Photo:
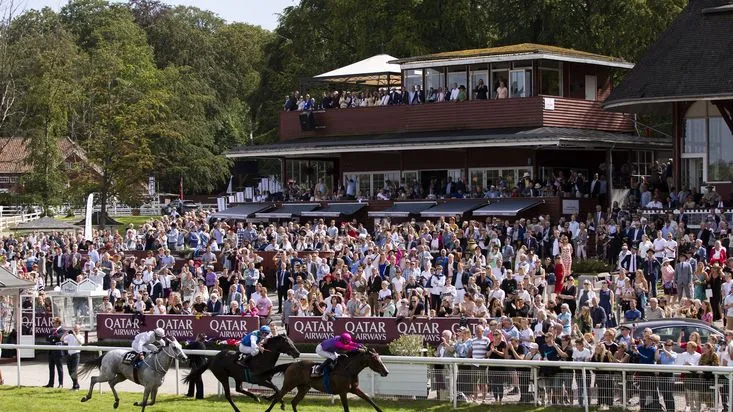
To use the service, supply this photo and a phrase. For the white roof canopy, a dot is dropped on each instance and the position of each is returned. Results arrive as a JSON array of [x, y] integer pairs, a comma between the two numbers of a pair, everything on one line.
[[374, 71]]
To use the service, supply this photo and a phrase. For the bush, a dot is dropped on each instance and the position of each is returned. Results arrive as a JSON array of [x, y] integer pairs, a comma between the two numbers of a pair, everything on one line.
[[407, 345], [590, 267]]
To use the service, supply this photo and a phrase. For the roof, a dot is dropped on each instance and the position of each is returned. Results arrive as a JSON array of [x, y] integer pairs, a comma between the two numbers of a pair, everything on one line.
[[287, 211], [336, 210], [518, 52], [507, 207], [403, 209], [453, 208], [11, 283], [243, 211], [373, 71], [14, 150], [45, 223], [535, 137], [691, 60]]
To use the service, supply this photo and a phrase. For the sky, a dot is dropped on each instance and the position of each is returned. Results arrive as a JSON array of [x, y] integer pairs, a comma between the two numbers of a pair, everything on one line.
[[257, 12]]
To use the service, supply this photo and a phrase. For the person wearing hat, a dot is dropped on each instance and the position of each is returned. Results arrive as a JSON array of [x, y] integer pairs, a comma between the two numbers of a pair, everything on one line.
[[55, 356], [196, 386], [652, 271], [145, 342]]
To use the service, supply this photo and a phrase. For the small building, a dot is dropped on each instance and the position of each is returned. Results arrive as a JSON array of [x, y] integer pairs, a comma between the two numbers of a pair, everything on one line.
[[688, 73], [13, 166], [539, 117]]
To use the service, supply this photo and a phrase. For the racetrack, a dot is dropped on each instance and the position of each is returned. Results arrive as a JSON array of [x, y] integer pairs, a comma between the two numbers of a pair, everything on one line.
[[31, 399]]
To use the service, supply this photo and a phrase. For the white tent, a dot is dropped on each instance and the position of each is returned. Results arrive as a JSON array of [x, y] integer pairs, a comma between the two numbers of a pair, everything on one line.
[[374, 71]]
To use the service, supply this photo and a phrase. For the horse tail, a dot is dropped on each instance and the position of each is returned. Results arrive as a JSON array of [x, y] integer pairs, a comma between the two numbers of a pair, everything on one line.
[[280, 368], [196, 372], [89, 365]]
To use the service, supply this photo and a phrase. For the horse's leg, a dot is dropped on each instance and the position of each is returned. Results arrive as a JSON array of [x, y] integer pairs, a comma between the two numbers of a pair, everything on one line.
[[227, 391], [302, 391], [344, 401], [358, 392], [238, 387], [92, 382], [146, 394], [280, 395], [153, 395], [117, 379]]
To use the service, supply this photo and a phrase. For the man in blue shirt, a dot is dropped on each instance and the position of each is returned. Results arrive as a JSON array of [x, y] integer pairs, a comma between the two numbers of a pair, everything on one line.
[[646, 354], [633, 314]]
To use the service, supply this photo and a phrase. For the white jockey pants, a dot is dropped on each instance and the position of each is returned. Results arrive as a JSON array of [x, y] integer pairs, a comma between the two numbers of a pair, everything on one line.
[[249, 350], [328, 355]]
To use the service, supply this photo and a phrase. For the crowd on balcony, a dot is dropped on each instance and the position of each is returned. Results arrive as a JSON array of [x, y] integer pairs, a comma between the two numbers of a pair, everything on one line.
[[389, 96]]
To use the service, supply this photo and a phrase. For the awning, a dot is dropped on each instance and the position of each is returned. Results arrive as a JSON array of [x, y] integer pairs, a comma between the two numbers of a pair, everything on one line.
[[374, 71], [336, 210], [242, 211], [453, 208], [287, 211], [507, 207], [403, 209]]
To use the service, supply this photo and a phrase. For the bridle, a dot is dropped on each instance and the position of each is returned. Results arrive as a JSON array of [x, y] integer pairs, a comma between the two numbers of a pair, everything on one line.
[[157, 364]]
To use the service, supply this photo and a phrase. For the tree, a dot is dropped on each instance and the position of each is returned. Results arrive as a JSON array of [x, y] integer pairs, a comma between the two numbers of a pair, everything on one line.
[[123, 100], [47, 60]]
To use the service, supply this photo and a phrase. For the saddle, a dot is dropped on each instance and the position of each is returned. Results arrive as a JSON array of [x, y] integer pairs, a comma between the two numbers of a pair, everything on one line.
[[132, 358]]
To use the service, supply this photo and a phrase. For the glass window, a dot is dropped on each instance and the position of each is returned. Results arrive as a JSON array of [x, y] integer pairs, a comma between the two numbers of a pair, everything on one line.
[[694, 136], [520, 83], [377, 183], [720, 147], [410, 178], [412, 78], [434, 79], [479, 77], [477, 179], [550, 82], [492, 177], [522, 64], [497, 77], [457, 75]]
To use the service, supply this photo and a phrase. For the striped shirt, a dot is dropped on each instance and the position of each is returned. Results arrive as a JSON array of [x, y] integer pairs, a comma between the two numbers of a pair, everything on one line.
[[479, 348]]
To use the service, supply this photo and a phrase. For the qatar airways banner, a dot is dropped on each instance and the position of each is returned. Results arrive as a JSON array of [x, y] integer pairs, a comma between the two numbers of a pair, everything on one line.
[[372, 330], [182, 327], [42, 325]]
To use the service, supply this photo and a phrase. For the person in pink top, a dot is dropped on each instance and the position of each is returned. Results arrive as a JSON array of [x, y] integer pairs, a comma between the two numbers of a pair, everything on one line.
[[264, 306], [717, 254], [333, 347]]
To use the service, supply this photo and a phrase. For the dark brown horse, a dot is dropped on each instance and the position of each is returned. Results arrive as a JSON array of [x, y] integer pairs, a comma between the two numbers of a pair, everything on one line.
[[259, 372], [344, 378]]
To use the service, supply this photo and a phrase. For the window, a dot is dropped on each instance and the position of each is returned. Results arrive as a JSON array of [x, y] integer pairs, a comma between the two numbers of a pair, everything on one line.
[[434, 79], [520, 83], [720, 147], [644, 162], [492, 176], [410, 178], [694, 141], [499, 73], [369, 184], [550, 78], [457, 75], [412, 78], [5, 179], [479, 73]]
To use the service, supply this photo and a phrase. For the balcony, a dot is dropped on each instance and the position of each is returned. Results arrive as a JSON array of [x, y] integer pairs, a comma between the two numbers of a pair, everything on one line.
[[529, 112]]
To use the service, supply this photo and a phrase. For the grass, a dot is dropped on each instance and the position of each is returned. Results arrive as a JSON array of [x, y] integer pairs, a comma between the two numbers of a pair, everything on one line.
[[29, 399], [124, 220]]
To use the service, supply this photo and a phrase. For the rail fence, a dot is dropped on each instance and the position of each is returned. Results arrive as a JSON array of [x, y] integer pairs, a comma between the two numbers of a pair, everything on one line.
[[8, 222], [584, 384]]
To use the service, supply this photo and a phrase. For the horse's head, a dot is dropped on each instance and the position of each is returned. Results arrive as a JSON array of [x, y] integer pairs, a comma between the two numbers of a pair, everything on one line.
[[176, 351], [375, 362], [282, 344]]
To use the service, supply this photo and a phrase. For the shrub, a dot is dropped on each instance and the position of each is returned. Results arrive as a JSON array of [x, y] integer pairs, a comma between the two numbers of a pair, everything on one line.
[[406, 345], [590, 267]]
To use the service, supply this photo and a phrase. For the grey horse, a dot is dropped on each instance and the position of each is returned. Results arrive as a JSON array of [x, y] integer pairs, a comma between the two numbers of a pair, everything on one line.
[[150, 374]]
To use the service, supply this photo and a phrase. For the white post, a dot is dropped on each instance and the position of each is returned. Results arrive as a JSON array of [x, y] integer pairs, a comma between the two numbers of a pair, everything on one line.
[[730, 392], [623, 390], [374, 389], [18, 329], [716, 392], [454, 384], [178, 390], [585, 391], [536, 380], [100, 383]]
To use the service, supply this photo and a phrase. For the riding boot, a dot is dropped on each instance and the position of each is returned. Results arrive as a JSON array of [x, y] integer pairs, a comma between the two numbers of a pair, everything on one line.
[[328, 363], [244, 361]]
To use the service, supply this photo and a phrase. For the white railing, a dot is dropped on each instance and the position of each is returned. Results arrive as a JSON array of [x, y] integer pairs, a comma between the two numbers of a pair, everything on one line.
[[8, 222], [721, 375]]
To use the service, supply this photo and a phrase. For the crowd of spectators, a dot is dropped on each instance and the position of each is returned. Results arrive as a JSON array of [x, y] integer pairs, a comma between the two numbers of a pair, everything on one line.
[[517, 277]]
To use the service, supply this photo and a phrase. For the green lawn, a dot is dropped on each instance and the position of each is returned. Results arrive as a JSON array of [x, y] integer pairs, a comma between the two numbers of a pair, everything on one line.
[[124, 220], [29, 399]]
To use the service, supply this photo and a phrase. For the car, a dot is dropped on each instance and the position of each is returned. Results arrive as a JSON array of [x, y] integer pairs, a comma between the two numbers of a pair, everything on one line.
[[181, 206], [672, 327]]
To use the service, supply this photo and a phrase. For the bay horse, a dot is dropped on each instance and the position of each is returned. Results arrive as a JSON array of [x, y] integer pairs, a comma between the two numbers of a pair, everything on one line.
[[344, 378], [259, 370], [150, 374]]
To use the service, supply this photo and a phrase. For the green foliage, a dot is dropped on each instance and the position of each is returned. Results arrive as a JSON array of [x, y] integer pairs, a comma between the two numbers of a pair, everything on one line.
[[590, 267], [407, 345]]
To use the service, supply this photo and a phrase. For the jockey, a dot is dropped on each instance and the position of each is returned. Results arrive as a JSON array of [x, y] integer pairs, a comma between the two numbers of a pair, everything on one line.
[[251, 343], [147, 342], [333, 347]]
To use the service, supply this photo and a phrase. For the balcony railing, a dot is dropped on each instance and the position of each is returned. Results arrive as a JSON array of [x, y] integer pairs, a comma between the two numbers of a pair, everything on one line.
[[537, 111]]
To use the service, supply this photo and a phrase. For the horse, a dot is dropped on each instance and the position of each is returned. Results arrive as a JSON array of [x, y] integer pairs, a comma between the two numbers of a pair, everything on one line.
[[259, 371], [344, 378], [150, 374]]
